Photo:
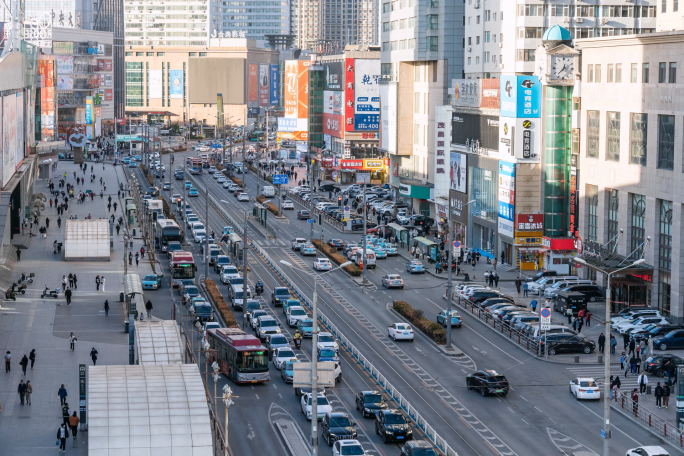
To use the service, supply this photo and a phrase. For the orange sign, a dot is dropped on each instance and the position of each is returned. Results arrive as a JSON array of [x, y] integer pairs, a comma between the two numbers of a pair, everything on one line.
[[303, 89], [253, 81], [291, 80]]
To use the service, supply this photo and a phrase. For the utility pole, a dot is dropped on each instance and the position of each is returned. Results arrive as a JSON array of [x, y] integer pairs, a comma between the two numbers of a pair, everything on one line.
[[244, 264], [363, 271], [206, 238], [314, 374], [450, 247]]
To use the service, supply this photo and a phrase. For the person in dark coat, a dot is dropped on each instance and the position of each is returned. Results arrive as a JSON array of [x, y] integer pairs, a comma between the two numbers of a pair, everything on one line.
[[24, 363], [518, 284], [22, 391], [32, 357], [602, 343], [658, 395], [93, 356], [67, 295], [106, 308], [632, 346]]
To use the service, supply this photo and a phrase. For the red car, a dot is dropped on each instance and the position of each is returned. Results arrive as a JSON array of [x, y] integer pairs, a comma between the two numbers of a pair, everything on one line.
[[376, 229], [336, 243]]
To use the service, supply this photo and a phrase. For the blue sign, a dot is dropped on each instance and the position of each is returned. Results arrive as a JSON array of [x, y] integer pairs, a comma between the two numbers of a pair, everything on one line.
[[520, 96], [176, 84], [506, 198], [603, 433], [367, 122], [457, 244], [346, 208], [287, 125], [274, 85], [310, 221], [216, 146], [280, 179], [89, 114], [545, 312]]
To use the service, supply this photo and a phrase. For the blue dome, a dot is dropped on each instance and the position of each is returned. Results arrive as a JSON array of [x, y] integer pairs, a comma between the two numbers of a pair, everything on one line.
[[557, 33]]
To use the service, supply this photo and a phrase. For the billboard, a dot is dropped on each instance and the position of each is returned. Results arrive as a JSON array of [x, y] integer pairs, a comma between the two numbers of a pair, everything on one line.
[[480, 134], [529, 222], [334, 75], [219, 113], [263, 84], [253, 82], [388, 117], [458, 172], [506, 198], [490, 93], [176, 84], [65, 82], [154, 84], [333, 113], [296, 95], [520, 96], [65, 64], [290, 88], [466, 92], [9, 137], [349, 94], [303, 89], [520, 138], [366, 95], [275, 95]]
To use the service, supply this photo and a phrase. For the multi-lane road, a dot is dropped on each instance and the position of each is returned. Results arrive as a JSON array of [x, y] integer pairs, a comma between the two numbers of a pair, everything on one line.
[[538, 416]]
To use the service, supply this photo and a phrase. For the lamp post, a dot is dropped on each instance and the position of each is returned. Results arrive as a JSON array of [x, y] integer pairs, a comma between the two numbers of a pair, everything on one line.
[[606, 361], [227, 401], [314, 363]]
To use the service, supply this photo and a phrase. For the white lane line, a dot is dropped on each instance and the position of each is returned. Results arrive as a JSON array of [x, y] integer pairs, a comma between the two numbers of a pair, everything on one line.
[[612, 425]]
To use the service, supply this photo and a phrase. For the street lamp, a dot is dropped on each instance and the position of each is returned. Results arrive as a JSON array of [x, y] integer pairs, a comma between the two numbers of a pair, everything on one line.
[[606, 363], [227, 401], [314, 364]]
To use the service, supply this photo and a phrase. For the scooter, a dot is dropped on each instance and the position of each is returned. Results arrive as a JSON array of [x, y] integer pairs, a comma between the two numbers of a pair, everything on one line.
[[20, 288], [10, 295], [298, 343], [47, 293], [28, 279]]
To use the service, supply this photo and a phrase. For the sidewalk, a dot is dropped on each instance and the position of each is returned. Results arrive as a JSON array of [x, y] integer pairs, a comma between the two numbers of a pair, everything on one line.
[[45, 324]]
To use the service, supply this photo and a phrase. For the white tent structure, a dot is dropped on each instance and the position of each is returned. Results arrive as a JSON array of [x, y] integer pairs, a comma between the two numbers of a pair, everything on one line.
[[86, 240]]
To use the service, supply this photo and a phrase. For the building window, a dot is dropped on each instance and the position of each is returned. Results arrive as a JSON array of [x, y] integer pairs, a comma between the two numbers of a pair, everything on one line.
[[593, 124], [633, 73], [638, 137], [416, 103], [644, 73], [598, 73], [129, 54], [613, 136], [203, 54], [666, 136], [673, 73], [618, 72], [385, 27], [385, 7], [160, 54], [433, 43], [663, 6], [525, 55], [590, 71], [675, 5], [592, 215], [662, 72], [134, 84], [193, 54], [433, 22], [664, 256], [638, 230], [613, 217], [150, 54], [138, 54], [610, 73]]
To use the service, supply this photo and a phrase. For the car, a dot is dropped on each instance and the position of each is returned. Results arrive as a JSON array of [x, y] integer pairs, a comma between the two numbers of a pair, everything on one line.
[[305, 327], [392, 281], [297, 243], [640, 323], [151, 282], [212, 170], [137, 158], [369, 403], [303, 215], [673, 339], [188, 184], [254, 317], [290, 303], [228, 272], [266, 325], [190, 292], [329, 188], [400, 331], [243, 197], [391, 250], [173, 246], [276, 341], [287, 204], [182, 283], [647, 451], [585, 388], [327, 340], [455, 319], [308, 250], [219, 260], [487, 381], [322, 409], [199, 236], [632, 314], [132, 164], [294, 314], [327, 354], [482, 295], [166, 186], [220, 179], [227, 184], [415, 267], [662, 365], [322, 264], [125, 160], [566, 342], [191, 220], [338, 426], [392, 426], [337, 244], [282, 355], [237, 192], [418, 448], [279, 295], [287, 371], [192, 191], [380, 252]]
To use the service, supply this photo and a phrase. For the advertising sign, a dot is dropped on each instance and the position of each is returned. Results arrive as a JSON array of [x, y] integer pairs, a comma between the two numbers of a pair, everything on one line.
[[466, 92], [65, 82], [506, 198], [520, 138], [100, 65], [108, 65], [490, 93], [65, 64], [480, 134], [574, 201], [333, 113], [334, 75], [388, 117], [264, 85], [155, 84], [274, 90], [176, 84], [303, 89], [366, 95], [520, 96], [290, 88], [558, 243], [253, 82], [219, 113], [458, 173], [529, 222], [372, 164], [9, 136], [349, 94]]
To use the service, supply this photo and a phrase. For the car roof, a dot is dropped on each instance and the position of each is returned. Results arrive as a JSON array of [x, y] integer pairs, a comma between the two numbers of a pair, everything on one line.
[[490, 372], [586, 379], [370, 392], [281, 289]]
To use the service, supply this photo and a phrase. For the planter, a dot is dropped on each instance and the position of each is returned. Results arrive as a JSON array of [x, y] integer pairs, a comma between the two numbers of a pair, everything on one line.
[[433, 330]]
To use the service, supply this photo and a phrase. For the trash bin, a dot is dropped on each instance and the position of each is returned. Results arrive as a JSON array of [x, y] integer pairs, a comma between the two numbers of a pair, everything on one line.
[[133, 231], [126, 328], [121, 296]]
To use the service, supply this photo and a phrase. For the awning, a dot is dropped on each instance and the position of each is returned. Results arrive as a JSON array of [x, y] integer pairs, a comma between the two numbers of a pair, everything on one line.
[[397, 227], [132, 284], [424, 241], [530, 249]]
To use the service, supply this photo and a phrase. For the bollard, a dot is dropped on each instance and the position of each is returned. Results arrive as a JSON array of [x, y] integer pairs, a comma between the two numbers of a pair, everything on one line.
[[577, 359], [600, 359]]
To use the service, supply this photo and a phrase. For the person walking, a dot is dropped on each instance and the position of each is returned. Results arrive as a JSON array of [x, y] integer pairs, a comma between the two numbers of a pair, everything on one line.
[[568, 313], [93, 356], [130, 258], [642, 381], [526, 289], [533, 304], [518, 284], [97, 282], [24, 363], [632, 347], [628, 367], [638, 364], [73, 424], [32, 357], [632, 364], [666, 394], [142, 252], [22, 391], [659, 395], [29, 391], [602, 343], [616, 387], [623, 360], [580, 323], [62, 393], [67, 295], [8, 360], [635, 402], [18, 255], [587, 318], [75, 282], [62, 434], [106, 308], [72, 341], [148, 308], [137, 258], [71, 280], [102, 282], [64, 282], [625, 339]]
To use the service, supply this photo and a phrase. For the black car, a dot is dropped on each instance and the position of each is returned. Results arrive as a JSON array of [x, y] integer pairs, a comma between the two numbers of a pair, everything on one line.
[[653, 331], [483, 295], [662, 365], [418, 448], [565, 342], [392, 426], [279, 296], [487, 382], [336, 243], [498, 300], [329, 188], [337, 426], [370, 402], [592, 292], [303, 215], [541, 274]]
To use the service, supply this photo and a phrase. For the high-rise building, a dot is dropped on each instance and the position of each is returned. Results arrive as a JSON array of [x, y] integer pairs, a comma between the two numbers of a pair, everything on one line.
[[256, 18], [159, 23], [501, 36], [329, 25]]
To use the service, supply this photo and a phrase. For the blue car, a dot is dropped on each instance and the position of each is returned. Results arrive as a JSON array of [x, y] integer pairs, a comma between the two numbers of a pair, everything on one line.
[[380, 252], [415, 267], [287, 371], [126, 160], [188, 184], [455, 318], [673, 339], [308, 249], [192, 191], [305, 327], [132, 164], [137, 158], [151, 282], [328, 354]]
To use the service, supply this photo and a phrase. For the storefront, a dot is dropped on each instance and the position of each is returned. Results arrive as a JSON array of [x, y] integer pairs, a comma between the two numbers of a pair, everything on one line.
[[558, 254], [376, 166], [529, 230], [484, 189], [458, 204], [442, 217], [416, 195]]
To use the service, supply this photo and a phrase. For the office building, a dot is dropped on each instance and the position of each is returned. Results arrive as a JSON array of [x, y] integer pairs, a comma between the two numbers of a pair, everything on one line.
[[328, 26]]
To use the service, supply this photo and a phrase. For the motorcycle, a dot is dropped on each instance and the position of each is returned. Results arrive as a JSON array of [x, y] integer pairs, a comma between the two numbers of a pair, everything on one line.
[[259, 290], [47, 293], [20, 288], [298, 343], [28, 279], [10, 295]]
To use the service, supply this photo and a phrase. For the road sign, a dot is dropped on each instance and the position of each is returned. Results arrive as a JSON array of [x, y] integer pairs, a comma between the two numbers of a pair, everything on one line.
[[310, 221], [545, 319], [216, 146], [280, 179], [457, 244]]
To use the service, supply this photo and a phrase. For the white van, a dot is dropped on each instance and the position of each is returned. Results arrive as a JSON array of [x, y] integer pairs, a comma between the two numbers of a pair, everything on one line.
[[269, 191], [370, 258], [236, 294]]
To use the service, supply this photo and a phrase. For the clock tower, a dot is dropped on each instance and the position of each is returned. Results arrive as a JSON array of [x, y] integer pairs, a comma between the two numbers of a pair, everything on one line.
[[556, 65]]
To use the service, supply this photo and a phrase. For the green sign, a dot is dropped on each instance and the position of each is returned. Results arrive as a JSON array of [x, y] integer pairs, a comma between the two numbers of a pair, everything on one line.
[[127, 138]]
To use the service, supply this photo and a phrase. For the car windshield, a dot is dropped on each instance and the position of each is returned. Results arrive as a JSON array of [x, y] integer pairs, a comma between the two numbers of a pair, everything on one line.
[[322, 338], [340, 421], [237, 281], [150, 277], [259, 313], [453, 313], [278, 340], [372, 399], [393, 277], [321, 400], [392, 418], [286, 353], [670, 335], [191, 290], [328, 353], [253, 305], [230, 270], [298, 312], [265, 323], [288, 365], [588, 383], [424, 452], [281, 292], [307, 324]]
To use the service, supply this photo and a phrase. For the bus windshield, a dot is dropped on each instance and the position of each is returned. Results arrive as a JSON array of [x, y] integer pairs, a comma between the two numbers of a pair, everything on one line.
[[252, 361]]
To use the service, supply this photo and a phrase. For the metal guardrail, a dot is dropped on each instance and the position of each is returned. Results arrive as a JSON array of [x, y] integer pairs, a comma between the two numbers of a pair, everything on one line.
[[411, 411], [331, 221], [655, 423]]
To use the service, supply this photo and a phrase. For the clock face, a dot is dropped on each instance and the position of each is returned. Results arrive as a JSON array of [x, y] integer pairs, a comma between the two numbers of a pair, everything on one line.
[[563, 68]]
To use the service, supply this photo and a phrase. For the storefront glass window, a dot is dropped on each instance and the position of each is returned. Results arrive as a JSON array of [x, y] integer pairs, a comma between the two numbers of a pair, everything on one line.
[[485, 191], [592, 196]]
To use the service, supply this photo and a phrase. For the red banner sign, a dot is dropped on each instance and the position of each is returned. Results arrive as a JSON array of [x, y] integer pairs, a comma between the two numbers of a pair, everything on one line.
[[351, 164], [529, 222], [558, 243], [349, 95]]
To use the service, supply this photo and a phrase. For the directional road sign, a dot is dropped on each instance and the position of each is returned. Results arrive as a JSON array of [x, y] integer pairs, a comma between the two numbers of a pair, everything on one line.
[[280, 179], [216, 146], [310, 221]]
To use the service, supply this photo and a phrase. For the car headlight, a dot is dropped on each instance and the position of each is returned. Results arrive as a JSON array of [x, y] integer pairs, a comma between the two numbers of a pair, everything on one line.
[[367, 410], [410, 431]]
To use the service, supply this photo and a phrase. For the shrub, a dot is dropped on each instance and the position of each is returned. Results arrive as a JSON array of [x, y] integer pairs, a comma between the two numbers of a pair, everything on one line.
[[220, 303], [337, 258], [417, 318], [272, 208], [236, 180]]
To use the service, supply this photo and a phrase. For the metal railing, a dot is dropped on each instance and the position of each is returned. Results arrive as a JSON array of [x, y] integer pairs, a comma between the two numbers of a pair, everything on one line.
[[658, 425], [314, 213]]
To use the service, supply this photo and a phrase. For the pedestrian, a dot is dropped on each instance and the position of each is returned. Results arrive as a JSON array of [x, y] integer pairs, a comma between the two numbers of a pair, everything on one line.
[[72, 339], [71, 280], [602, 343], [115, 204], [580, 314], [650, 344], [130, 258], [18, 255], [97, 282], [8, 359], [24, 363], [568, 313], [67, 295], [623, 360], [73, 424], [59, 222], [658, 395], [32, 357], [580, 323], [496, 280], [574, 324], [632, 365], [117, 229], [75, 282], [29, 391], [102, 282], [148, 308], [625, 339], [628, 366], [64, 282], [526, 289], [642, 381], [47, 222], [666, 394], [22, 391], [142, 252], [635, 403], [638, 363], [632, 346], [93, 356], [533, 304], [616, 387], [612, 385], [642, 347], [62, 434], [62, 393], [137, 257], [587, 318], [106, 308]]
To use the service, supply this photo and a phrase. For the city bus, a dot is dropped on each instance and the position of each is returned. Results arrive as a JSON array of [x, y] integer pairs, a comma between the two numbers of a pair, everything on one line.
[[182, 266], [167, 230], [257, 136], [240, 356]]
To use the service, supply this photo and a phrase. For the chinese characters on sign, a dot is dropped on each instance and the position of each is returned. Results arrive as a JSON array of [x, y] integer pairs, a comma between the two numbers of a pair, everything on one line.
[[574, 209], [529, 222]]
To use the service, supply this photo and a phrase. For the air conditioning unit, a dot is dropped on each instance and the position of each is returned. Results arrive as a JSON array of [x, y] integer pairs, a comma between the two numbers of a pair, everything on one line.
[[470, 49], [604, 21], [566, 20], [501, 66], [579, 20], [500, 45]]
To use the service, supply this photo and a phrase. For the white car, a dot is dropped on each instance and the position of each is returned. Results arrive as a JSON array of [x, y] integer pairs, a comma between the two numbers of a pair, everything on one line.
[[585, 388], [323, 205], [648, 451], [243, 197], [199, 236], [197, 226], [322, 264], [287, 204], [327, 340], [401, 331], [343, 447], [392, 280], [254, 317], [227, 184], [639, 323], [297, 243], [228, 272], [323, 406], [220, 179], [294, 314], [282, 355]]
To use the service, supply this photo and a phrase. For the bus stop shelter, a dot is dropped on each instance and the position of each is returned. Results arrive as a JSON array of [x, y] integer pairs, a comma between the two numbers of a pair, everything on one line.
[[399, 232], [427, 247], [132, 293]]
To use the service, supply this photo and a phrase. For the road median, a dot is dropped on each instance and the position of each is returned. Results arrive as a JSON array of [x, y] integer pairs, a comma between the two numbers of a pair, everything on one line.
[[416, 316]]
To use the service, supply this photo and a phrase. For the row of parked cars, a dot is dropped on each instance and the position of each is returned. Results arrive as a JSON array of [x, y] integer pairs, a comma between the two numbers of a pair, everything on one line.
[[550, 286]]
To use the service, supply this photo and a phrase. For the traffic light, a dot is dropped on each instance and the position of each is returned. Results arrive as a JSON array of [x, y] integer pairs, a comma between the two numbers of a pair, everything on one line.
[[339, 201]]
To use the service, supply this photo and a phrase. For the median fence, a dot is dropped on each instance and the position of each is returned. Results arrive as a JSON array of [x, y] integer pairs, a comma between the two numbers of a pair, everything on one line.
[[417, 418], [653, 422]]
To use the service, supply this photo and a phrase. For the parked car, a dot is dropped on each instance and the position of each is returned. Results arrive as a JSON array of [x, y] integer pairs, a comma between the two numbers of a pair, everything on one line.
[[561, 342], [662, 365]]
